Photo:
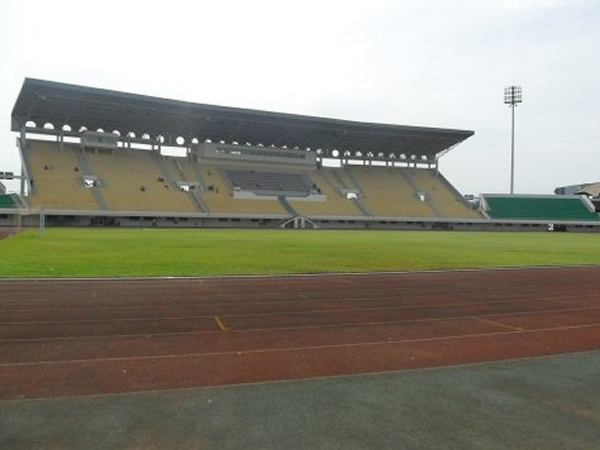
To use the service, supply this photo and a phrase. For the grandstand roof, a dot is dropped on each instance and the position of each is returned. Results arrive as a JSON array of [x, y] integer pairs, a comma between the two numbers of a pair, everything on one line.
[[80, 107], [592, 189]]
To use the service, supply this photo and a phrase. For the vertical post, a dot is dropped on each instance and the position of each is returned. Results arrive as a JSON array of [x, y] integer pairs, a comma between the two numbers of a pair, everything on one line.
[[22, 181], [512, 149], [42, 223], [512, 96], [21, 143]]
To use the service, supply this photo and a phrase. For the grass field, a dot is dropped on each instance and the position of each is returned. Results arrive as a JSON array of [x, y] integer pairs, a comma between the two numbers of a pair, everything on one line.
[[63, 252]]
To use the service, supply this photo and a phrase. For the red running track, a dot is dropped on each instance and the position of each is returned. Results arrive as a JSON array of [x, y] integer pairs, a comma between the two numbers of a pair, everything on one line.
[[85, 337]]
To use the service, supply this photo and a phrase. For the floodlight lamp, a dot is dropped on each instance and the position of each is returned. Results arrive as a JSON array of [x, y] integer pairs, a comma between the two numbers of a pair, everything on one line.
[[513, 95]]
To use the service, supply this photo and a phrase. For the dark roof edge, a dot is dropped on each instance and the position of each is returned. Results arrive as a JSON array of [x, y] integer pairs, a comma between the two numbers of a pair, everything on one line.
[[33, 82]]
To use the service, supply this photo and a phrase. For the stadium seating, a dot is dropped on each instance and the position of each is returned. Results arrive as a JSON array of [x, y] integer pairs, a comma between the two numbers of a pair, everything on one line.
[[531, 207], [56, 178], [178, 169], [217, 194], [335, 204], [7, 201], [443, 197], [387, 193], [269, 183], [131, 180]]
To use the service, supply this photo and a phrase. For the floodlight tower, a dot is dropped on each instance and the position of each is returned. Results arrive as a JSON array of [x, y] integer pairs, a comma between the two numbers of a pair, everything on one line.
[[512, 96]]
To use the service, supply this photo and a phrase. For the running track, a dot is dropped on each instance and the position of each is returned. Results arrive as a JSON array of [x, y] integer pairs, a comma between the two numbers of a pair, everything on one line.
[[86, 337]]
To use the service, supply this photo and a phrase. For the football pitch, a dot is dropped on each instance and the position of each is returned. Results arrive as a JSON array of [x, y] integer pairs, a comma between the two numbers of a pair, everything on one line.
[[66, 252]]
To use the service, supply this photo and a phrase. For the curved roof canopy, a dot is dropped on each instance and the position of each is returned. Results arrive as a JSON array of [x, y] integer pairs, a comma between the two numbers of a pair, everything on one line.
[[80, 107]]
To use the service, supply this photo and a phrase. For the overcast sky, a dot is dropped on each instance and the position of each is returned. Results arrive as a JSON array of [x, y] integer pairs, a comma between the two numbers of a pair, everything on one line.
[[438, 63]]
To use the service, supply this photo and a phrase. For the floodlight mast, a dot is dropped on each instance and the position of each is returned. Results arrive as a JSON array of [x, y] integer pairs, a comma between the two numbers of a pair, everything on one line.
[[512, 96]]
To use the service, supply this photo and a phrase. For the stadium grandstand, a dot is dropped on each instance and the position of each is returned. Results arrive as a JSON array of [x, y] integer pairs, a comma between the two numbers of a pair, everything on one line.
[[540, 210], [589, 190], [95, 157]]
